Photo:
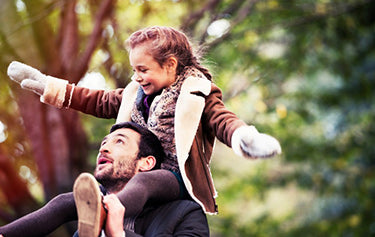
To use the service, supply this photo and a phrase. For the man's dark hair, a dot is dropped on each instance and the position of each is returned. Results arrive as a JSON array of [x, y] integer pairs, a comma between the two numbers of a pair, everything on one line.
[[149, 144]]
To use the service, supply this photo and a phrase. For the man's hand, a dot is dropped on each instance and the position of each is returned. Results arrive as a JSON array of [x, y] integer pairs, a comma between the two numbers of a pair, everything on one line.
[[114, 226], [248, 142], [29, 77]]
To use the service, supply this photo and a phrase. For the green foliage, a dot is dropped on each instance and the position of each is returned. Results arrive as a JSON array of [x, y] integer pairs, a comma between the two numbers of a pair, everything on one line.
[[321, 90]]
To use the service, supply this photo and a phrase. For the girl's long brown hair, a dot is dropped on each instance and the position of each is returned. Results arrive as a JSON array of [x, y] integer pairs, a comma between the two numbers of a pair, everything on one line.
[[165, 42]]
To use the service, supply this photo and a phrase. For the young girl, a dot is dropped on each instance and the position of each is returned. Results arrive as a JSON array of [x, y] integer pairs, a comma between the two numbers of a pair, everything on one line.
[[172, 95]]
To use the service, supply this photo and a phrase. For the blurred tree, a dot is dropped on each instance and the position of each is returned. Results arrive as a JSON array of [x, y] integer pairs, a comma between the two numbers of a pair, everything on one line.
[[300, 70], [45, 35]]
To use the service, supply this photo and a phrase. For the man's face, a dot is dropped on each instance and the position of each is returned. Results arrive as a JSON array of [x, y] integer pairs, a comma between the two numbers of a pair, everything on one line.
[[116, 162]]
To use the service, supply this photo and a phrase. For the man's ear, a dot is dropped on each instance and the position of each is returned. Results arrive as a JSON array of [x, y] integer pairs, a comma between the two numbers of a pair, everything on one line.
[[146, 163]]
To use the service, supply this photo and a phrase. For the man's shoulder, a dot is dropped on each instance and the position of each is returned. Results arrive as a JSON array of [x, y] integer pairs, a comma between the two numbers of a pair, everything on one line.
[[182, 203], [177, 207], [173, 219]]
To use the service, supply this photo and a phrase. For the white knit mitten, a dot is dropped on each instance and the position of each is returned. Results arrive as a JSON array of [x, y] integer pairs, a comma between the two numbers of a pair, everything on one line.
[[51, 89], [248, 142], [29, 77]]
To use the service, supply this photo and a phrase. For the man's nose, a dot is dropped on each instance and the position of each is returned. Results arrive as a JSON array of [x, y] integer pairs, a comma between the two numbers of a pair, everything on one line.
[[103, 149]]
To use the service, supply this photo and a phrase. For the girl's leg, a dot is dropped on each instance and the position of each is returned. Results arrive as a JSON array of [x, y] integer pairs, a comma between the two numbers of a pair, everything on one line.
[[156, 185], [43, 221]]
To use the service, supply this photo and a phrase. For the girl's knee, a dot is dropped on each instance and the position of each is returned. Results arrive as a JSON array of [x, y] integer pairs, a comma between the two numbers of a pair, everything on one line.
[[140, 180], [152, 177]]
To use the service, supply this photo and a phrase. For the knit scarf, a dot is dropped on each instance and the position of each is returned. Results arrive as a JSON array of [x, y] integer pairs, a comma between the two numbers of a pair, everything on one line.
[[161, 115]]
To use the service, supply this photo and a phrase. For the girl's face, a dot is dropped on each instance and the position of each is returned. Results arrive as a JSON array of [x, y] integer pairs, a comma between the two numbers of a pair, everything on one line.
[[148, 73]]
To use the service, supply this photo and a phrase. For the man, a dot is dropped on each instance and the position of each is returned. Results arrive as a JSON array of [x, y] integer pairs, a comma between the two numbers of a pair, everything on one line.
[[127, 150]]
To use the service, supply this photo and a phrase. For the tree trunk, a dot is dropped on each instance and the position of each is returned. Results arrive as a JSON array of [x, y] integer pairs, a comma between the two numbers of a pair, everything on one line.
[[14, 189]]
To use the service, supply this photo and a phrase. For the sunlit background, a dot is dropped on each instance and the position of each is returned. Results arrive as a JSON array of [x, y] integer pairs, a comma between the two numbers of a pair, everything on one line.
[[302, 71]]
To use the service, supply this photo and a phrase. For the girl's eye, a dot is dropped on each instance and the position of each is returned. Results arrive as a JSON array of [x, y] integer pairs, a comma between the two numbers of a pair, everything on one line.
[[120, 141]]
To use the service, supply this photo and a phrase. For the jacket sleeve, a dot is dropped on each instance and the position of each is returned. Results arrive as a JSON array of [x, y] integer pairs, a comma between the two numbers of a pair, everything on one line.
[[100, 103], [218, 118]]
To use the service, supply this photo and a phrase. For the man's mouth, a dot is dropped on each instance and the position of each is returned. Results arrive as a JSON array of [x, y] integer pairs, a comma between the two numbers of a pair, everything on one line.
[[104, 160]]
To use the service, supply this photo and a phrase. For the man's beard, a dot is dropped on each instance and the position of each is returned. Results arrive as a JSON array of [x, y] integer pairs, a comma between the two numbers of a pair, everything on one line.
[[114, 181]]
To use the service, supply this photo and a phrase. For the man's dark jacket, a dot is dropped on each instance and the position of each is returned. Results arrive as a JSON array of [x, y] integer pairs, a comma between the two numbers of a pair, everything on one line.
[[177, 218]]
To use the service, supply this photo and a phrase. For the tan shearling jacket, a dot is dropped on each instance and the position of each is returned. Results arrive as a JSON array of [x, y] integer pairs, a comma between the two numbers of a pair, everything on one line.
[[200, 117]]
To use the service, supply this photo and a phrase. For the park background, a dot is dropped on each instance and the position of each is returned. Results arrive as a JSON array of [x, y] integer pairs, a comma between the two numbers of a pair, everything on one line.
[[300, 70]]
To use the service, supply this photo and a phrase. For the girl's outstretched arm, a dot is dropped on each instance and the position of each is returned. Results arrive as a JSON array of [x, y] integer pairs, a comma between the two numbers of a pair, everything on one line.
[[59, 93], [245, 140]]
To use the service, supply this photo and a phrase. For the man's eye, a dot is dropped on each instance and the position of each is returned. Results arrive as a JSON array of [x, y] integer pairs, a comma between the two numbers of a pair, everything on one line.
[[120, 141]]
